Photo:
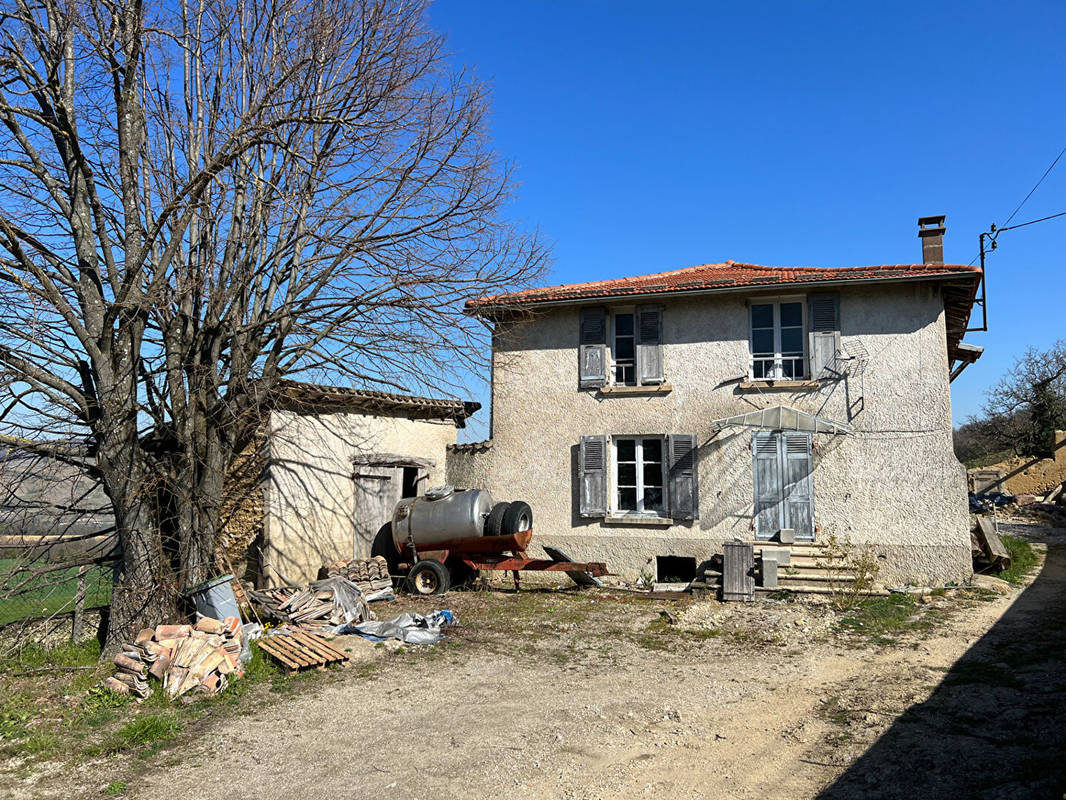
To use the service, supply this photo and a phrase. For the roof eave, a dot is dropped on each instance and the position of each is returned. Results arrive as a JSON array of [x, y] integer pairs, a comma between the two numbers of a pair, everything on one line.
[[490, 309]]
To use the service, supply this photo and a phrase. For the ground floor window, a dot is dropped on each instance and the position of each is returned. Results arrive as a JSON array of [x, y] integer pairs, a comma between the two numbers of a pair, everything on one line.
[[639, 475]]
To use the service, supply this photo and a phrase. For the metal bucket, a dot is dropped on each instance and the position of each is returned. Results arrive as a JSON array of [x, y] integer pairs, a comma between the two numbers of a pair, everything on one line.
[[215, 598]]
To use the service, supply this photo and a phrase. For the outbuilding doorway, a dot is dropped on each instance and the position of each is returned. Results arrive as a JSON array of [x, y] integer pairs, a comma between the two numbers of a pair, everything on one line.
[[380, 482]]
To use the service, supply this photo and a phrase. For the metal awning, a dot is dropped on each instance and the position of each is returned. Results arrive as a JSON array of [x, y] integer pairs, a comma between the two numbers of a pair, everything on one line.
[[783, 418]]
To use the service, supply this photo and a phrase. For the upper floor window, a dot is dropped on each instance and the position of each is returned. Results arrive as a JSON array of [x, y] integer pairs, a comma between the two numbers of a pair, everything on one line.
[[624, 349], [779, 340]]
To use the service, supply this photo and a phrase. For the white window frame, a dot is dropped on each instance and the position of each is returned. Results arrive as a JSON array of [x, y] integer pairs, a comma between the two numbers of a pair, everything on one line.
[[612, 362], [778, 373], [640, 511]]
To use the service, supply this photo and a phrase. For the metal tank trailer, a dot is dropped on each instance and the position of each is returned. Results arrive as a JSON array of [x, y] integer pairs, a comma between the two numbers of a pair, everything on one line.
[[446, 536]]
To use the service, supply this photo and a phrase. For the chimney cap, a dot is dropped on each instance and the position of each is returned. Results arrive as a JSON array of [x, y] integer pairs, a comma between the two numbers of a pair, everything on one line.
[[935, 220]]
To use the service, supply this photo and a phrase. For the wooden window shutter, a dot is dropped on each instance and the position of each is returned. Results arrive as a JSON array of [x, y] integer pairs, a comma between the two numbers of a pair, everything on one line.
[[798, 486], [592, 476], [823, 318], [592, 348], [766, 472], [650, 344], [683, 476]]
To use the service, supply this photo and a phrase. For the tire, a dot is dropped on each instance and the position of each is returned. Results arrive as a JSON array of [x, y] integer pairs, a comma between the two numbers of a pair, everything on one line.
[[494, 521], [428, 577], [384, 546], [517, 518]]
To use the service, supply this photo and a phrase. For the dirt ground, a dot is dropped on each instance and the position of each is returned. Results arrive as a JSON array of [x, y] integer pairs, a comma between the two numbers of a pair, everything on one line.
[[596, 695], [1034, 476]]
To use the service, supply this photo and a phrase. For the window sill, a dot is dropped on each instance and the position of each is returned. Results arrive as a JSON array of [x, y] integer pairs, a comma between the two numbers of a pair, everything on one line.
[[651, 389], [760, 385], [636, 519]]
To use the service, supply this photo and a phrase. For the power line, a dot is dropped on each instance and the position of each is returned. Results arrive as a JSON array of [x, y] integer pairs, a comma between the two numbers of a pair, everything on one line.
[[1037, 186], [1006, 225], [1030, 222]]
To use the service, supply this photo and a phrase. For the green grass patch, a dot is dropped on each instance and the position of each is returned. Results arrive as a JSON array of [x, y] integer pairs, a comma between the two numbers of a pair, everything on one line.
[[1022, 557], [150, 732], [660, 634], [14, 724], [35, 656], [52, 593], [116, 788], [881, 617]]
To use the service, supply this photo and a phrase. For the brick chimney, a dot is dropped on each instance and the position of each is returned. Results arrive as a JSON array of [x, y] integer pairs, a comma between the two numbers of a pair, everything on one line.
[[931, 232]]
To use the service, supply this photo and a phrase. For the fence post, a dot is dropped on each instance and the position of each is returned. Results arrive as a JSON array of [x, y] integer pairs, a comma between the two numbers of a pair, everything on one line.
[[79, 604]]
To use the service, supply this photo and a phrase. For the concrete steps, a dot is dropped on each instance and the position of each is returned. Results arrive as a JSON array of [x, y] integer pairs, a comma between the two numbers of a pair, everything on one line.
[[816, 590], [805, 573]]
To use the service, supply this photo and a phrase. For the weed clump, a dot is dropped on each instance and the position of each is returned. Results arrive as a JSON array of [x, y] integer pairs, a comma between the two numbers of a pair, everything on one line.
[[1022, 560]]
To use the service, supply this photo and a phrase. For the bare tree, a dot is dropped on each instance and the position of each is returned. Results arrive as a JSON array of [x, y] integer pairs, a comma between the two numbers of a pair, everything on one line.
[[201, 198], [1025, 408]]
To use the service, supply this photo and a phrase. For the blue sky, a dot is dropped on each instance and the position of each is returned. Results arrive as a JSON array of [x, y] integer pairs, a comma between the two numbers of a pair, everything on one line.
[[655, 136]]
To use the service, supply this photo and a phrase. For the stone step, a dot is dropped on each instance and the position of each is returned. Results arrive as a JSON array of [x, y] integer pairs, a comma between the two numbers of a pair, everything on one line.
[[809, 562], [814, 575], [816, 590], [803, 586], [810, 569]]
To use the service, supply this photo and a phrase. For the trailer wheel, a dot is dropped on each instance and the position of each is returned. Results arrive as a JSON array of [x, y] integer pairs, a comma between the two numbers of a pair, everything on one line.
[[517, 518], [427, 577], [385, 547], [494, 521]]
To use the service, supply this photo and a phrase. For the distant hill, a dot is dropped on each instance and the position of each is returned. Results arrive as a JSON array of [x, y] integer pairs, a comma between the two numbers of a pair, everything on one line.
[[40, 495]]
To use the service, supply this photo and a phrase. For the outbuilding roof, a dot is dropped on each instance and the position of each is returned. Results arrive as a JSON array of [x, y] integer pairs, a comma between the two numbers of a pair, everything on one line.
[[311, 398], [960, 282]]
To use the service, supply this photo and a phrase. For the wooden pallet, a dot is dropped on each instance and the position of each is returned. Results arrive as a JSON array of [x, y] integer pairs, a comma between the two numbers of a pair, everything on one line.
[[297, 650]]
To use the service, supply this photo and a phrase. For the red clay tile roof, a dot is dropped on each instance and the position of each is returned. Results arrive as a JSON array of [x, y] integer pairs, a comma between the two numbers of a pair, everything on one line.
[[310, 398], [960, 284], [730, 275]]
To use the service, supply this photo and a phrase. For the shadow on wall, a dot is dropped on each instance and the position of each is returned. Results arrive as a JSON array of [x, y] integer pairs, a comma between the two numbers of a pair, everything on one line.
[[312, 493], [995, 727]]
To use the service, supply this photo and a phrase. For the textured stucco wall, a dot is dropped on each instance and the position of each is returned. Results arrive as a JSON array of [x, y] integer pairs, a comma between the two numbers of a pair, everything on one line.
[[309, 490], [894, 483]]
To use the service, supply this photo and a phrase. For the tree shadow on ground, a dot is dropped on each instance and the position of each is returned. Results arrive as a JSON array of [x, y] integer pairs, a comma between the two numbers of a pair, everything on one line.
[[995, 727]]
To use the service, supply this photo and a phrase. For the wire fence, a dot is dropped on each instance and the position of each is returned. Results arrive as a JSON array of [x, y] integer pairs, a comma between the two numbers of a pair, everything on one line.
[[34, 589]]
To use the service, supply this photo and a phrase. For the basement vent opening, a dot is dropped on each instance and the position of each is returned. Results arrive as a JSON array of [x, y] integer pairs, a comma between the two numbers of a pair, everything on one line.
[[674, 569]]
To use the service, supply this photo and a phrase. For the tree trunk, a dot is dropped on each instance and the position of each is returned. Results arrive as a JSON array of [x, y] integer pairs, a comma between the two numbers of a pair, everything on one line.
[[143, 596]]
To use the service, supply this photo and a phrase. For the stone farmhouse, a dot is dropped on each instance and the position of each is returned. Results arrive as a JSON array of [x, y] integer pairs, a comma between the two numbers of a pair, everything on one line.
[[649, 419]]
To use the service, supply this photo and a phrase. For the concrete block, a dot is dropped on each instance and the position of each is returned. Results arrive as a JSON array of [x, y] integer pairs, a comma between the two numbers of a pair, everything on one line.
[[769, 572], [779, 554], [786, 535]]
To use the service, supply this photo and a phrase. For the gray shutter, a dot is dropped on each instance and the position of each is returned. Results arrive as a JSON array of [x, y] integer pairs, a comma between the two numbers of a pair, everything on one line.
[[592, 476], [592, 348], [798, 494], [766, 471], [683, 476], [823, 318], [650, 344]]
